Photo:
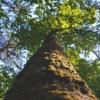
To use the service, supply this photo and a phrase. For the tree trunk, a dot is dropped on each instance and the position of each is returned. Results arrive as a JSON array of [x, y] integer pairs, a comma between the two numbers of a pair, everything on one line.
[[49, 75]]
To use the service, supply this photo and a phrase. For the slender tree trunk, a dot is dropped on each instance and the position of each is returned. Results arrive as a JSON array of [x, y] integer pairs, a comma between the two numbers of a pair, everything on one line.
[[49, 75]]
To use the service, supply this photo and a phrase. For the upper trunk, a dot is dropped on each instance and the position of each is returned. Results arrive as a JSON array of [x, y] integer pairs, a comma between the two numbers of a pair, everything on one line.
[[49, 75]]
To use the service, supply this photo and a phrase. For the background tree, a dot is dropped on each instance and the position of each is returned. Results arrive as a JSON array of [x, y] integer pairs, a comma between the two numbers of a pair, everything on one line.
[[24, 24]]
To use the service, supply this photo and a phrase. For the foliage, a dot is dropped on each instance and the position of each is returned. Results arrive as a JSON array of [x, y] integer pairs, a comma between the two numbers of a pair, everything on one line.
[[5, 81], [91, 73]]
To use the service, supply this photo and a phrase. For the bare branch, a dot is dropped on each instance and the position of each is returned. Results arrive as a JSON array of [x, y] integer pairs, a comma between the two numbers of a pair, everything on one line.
[[96, 55]]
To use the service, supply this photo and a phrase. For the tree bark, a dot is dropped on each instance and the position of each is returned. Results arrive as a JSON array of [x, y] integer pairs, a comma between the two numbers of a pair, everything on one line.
[[49, 75]]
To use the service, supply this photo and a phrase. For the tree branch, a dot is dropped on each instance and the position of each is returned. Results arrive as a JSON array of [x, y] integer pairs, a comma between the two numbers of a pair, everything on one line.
[[96, 55]]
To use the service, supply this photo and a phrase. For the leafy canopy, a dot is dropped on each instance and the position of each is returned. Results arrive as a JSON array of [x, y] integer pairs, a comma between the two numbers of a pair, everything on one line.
[[73, 19]]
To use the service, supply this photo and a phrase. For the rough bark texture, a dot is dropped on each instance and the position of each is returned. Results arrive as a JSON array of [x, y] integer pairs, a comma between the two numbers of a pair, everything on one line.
[[49, 75]]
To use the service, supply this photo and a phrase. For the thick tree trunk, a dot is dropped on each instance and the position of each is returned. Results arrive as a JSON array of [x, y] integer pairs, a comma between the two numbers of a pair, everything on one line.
[[49, 75]]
